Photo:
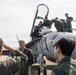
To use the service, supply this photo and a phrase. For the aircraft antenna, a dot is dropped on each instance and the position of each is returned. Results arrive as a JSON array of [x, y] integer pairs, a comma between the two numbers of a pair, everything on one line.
[[17, 37]]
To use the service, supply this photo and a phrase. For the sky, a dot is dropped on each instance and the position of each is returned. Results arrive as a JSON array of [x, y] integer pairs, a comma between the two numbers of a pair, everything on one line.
[[16, 17]]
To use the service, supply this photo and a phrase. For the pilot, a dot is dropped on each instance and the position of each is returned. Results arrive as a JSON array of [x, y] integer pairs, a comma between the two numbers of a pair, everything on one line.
[[46, 22], [11, 65], [62, 53], [68, 22], [35, 33]]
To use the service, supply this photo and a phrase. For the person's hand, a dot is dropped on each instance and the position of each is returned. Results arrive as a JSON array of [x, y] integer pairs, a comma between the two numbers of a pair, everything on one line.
[[9, 48]]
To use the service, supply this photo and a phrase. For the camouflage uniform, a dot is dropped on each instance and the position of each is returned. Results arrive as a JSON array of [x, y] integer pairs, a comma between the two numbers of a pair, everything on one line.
[[26, 69], [66, 66], [12, 65]]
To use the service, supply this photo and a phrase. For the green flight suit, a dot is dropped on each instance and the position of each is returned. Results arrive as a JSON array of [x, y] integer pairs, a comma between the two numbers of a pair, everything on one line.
[[26, 69], [69, 25], [58, 24], [66, 66], [12, 65]]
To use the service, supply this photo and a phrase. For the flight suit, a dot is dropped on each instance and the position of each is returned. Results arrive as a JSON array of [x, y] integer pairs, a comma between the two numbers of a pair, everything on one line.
[[66, 66], [46, 23], [58, 25], [35, 34], [69, 25], [12, 65], [26, 69]]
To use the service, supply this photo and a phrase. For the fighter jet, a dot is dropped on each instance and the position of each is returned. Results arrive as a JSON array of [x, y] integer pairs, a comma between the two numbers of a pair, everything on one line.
[[42, 45]]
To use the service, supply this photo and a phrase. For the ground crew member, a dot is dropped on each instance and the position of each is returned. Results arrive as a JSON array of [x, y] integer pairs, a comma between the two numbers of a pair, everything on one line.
[[68, 22], [58, 24], [63, 51], [26, 70], [12, 65]]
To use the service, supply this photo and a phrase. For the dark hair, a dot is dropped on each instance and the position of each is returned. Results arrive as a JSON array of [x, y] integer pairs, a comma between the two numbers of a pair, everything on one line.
[[21, 41], [56, 17], [66, 13], [66, 45], [40, 21], [1, 43]]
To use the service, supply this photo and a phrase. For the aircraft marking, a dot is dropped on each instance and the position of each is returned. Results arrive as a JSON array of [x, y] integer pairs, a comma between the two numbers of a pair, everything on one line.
[[46, 44]]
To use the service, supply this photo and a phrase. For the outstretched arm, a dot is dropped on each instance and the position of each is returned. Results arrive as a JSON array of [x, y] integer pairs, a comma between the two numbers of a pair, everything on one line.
[[15, 52], [9, 48]]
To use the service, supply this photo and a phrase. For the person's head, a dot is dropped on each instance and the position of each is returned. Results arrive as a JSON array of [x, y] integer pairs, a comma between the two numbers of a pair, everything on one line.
[[22, 44], [66, 14], [1, 44], [56, 18], [64, 47], [40, 24]]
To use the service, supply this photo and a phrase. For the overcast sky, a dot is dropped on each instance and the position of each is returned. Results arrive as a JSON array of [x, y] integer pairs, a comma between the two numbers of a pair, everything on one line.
[[16, 16]]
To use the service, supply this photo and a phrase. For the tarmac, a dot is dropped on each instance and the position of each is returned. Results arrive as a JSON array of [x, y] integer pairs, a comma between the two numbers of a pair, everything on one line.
[[49, 66]]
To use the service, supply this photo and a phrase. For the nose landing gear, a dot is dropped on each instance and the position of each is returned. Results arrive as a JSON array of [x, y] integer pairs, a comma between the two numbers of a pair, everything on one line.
[[42, 65]]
